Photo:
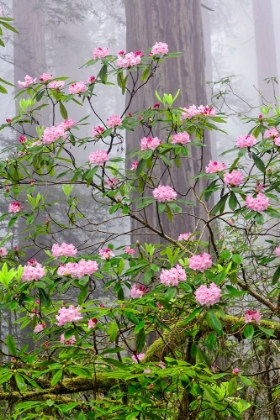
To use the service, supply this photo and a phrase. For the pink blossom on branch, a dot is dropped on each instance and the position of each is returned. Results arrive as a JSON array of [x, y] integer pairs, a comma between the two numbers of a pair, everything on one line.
[[67, 124], [138, 292], [129, 60], [129, 250], [245, 141], [69, 341], [181, 138], [271, 133], [3, 252], [92, 323], [99, 157], [68, 314], [39, 327], [214, 167], [97, 131], [15, 207], [77, 88], [277, 251], [235, 178], [106, 253], [51, 134], [32, 272], [164, 194], [134, 166], [208, 296], [193, 111], [27, 82], [252, 315], [149, 143], [100, 52], [173, 276], [186, 237], [200, 262], [56, 84], [64, 250], [259, 204], [160, 48], [138, 357], [45, 77], [114, 121], [111, 182], [78, 270]]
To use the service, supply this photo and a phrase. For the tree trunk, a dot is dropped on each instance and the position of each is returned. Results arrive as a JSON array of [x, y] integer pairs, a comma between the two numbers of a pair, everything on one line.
[[179, 24]]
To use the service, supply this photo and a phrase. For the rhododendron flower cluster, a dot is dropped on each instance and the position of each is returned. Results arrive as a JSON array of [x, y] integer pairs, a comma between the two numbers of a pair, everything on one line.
[[45, 77], [252, 315], [138, 292], [33, 271], [39, 327], [111, 182], [97, 131], [27, 82], [134, 166], [92, 323], [106, 253], [245, 141], [100, 52], [164, 194], [271, 133], [181, 138], [160, 48], [77, 88], [173, 276], [64, 250], [56, 84], [129, 250], [99, 157], [67, 124], [79, 269], [200, 262], [192, 111], [114, 121], [259, 204], [208, 296], [51, 134], [186, 237], [277, 251], [234, 178], [3, 252], [15, 207], [150, 143], [138, 357], [69, 341], [129, 60], [214, 167], [68, 314]]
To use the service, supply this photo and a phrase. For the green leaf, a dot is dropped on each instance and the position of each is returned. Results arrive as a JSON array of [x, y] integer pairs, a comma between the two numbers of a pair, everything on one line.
[[249, 331], [194, 313], [83, 294], [113, 331], [63, 111], [237, 259], [7, 26], [232, 201], [11, 345], [103, 73], [276, 276], [20, 382], [258, 162], [56, 378], [220, 205], [145, 74], [268, 332], [214, 322], [140, 167], [2, 89]]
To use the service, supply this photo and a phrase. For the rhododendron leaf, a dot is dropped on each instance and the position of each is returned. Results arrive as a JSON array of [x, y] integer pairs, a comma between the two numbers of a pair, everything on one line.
[[220, 205], [2, 89], [20, 382], [140, 341], [12, 222], [237, 258], [165, 159], [175, 207], [140, 167], [232, 202], [268, 332], [7, 26], [273, 213], [113, 331], [56, 378], [258, 162], [276, 276], [246, 381], [214, 322], [168, 212], [44, 298], [145, 74], [103, 73], [194, 313], [11, 345], [63, 111], [249, 331], [209, 190], [161, 207], [211, 341], [83, 294]]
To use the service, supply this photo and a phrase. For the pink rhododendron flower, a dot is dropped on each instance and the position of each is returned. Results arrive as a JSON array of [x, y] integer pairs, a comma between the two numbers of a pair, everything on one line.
[[138, 357], [214, 167], [245, 141], [64, 250], [192, 111], [173, 276], [77, 87], [277, 141], [114, 121], [111, 182], [106, 253], [160, 48], [150, 143], [161, 365], [100, 52], [252, 315], [129, 250], [67, 124], [68, 314], [22, 139], [45, 77], [271, 133], [51, 134], [32, 272], [200, 262], [91, 79], [277, 251], [164, 194], [186, 237], [15, 207], [208, 296], [92, 323], [97, 131], [99, 157], [259, 204], [56, 84], [235, 371], [3, 252], [27, 82], [39, 327], [70, 341], [78, 270], [134, 166], [138, 292], [129, 60], [234, 178], [181, 138]]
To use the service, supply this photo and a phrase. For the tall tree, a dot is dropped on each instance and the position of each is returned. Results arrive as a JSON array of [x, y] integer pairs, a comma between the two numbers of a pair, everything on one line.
[[179, 24]]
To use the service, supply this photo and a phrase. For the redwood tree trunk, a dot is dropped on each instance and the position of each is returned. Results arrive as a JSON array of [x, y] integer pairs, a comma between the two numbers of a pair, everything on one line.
[[179, 24]]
